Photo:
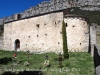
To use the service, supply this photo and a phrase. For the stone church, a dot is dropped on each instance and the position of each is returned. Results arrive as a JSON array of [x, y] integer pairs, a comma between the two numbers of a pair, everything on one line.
[[39, 29]]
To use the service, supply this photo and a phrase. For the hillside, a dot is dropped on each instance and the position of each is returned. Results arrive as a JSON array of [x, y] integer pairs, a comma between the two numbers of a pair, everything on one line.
[[94, 16]]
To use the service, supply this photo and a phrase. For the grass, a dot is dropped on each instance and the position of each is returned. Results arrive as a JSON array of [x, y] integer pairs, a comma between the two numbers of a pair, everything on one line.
[[79, 63]]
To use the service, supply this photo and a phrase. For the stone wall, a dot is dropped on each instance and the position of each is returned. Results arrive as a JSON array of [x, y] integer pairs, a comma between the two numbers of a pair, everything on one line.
[[92, 38], [1, 42], [44, 33], [37, 34], [77, 33], [98, 35], [98, 70]]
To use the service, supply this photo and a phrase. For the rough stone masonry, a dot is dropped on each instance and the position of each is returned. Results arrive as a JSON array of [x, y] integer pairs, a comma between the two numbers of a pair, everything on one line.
[[44, 33], [40, 30]]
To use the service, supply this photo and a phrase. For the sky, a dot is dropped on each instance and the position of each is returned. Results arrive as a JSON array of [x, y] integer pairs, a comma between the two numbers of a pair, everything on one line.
[[10, 7]]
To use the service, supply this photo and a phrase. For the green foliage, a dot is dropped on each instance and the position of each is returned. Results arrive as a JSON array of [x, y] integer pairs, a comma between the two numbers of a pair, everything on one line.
[[94, 16], [65, 48]]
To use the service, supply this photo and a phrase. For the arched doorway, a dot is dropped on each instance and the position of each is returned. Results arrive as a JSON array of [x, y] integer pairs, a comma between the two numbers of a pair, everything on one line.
[[17, 44]]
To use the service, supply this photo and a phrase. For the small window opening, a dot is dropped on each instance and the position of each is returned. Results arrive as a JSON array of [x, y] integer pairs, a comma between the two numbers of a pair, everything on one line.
[[83, 23], [37, 35], [66, 25], [45, 24], [38, 25], [26, 44], [73, 26], [46, 34], [55, 23], [58, 42], [19, 16], [42, 44], [58, 21], [28, 36], [80, 43]]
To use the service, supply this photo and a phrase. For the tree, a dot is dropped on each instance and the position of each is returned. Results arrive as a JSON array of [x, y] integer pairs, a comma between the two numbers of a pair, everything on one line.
[[65, 48]]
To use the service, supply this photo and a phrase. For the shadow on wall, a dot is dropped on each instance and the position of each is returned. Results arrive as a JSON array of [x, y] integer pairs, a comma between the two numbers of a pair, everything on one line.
[[24, 73], [96, 57], [5, 60], [89, 46]]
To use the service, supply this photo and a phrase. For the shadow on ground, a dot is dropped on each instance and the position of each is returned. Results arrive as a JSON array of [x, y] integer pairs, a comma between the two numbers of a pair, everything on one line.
[[5, 60], [24, 73]]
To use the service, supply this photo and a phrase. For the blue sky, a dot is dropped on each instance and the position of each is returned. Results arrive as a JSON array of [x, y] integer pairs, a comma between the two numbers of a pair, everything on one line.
[[10, 7]]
